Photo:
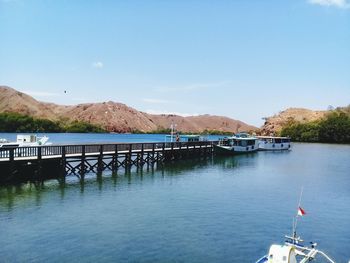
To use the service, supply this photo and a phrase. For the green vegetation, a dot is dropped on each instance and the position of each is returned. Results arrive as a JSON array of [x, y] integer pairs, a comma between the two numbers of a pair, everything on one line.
[[159, 130], [334, 128], [78, 126], [15, 122], [216, 132], [162, 130]]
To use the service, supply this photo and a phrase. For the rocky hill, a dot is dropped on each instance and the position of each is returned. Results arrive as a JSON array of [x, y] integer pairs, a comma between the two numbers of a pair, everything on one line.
[[113, 116], [15, 101], [274, 124], [202, 122]]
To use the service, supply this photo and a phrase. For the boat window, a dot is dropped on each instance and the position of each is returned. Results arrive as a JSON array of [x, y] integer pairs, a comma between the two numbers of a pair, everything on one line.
[[251, 142], [286, 140], [277, 140], [244, 143], [225, 142]]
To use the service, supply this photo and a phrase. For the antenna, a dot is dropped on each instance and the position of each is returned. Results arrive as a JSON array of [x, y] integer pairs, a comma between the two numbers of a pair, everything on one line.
[[172, 127]]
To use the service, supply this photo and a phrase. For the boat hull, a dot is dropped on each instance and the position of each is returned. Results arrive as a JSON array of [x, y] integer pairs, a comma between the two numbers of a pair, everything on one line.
[[274, 146], [233, 150]]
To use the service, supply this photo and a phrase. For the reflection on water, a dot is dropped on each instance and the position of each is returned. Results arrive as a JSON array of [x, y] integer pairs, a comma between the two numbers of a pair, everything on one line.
[[35, 190], [223, 209]]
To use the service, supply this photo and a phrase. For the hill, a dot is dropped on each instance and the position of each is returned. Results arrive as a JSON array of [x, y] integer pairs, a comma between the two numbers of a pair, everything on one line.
[[274, 124], [114, 116]]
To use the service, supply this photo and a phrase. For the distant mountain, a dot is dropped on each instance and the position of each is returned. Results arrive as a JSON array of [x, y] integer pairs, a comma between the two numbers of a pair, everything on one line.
[[113, 116], [14, 101]]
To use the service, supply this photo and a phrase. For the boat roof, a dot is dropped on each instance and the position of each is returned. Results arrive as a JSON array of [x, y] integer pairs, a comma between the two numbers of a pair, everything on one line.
[[271, 137], [242, 138], [185, 135]]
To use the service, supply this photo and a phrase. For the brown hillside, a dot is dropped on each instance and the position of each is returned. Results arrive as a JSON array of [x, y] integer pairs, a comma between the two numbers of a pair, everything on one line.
[[275, 123], [12, 100], [200, 123], [114, 117]]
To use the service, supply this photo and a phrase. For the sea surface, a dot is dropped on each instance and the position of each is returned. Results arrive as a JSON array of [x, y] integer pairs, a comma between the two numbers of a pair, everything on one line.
[[223, 209]]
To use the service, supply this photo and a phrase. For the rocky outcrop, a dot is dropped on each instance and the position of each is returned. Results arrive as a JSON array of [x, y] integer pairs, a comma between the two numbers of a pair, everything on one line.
[[200, 123], [274, 124], [113, 116]]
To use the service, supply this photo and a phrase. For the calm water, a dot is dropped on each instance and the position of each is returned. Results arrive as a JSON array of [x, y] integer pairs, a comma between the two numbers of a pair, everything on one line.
[[221, 210]]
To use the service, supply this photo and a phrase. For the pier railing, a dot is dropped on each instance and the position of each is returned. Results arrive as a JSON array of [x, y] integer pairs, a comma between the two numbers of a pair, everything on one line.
[[51, 151], [59, 161]]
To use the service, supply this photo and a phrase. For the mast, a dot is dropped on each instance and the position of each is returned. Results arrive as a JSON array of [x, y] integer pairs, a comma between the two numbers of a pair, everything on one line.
[[295, 220]]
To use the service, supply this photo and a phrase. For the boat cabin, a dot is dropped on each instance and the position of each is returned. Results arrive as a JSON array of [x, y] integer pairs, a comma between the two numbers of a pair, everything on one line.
[[237, 141], [24, 138], [271, 139], [281, 253], [271, 143]]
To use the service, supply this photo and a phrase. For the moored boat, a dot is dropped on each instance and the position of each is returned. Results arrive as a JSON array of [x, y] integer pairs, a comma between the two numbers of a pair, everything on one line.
[[239, 143], [23, 140], [271, 143]]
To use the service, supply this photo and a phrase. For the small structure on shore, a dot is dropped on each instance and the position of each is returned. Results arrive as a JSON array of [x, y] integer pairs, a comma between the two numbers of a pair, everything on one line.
[[185, 138]]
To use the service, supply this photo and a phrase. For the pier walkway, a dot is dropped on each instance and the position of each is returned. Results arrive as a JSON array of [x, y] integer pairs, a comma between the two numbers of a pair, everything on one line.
[[62, 160]]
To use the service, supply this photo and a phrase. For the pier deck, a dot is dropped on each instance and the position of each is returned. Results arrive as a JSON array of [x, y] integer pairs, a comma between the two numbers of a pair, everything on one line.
[[62, 160]]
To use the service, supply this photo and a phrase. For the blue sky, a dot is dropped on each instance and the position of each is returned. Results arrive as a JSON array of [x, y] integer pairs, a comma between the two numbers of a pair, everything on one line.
[[245, 59]]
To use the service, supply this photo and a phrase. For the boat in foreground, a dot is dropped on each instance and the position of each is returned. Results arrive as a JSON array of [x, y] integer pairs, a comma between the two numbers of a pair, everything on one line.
[[271, 143], [293, 250], [239, 143]]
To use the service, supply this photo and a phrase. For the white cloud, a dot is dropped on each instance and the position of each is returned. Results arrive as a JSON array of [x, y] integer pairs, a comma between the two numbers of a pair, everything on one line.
[[40, 93], [158, 112], [156, 101], [97, 64], [337, 3]]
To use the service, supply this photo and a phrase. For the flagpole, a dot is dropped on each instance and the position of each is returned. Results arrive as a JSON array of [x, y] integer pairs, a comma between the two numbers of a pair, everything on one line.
[[296, 217]]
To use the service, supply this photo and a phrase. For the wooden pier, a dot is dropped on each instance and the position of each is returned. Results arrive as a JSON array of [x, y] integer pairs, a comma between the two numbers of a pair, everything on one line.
[[59, 161]]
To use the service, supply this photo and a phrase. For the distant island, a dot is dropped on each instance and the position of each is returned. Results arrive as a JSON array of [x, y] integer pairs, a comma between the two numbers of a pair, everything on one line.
[[15, 122], [102, 117], [303, 125], [20, 112]]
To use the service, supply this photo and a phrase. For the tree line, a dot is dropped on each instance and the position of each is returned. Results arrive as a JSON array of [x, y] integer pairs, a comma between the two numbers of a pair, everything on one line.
[[15, 122], [333, 128]]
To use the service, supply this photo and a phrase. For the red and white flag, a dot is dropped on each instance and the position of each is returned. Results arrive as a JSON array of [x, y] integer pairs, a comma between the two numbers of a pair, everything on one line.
[[301, 211]]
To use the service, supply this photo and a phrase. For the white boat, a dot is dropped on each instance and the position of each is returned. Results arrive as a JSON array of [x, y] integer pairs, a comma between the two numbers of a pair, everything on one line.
[[239, 143], [23, 140], [270, 143], [293, 250]]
